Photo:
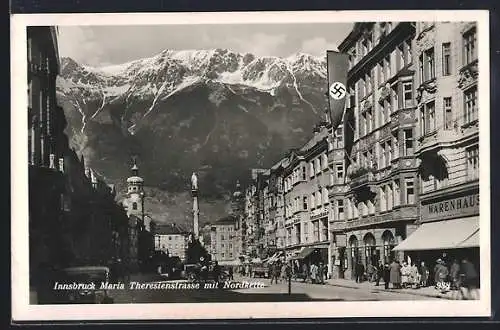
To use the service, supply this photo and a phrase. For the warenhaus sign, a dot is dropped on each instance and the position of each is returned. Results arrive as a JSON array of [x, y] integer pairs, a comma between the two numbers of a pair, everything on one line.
[[451, 208]]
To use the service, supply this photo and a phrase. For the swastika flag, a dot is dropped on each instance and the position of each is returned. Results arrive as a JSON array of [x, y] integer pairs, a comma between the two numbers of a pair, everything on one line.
[[337, 67]]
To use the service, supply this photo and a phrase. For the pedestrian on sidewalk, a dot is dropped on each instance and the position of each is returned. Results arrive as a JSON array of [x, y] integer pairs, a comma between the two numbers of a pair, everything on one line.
[[231, 275], [274, 270], [380, 273], [469, 283], [405, 275], [387, 275], [414, 276], [370, 270], [305, 272], [283, 272], [395, 274], [314, 273], [424, 274], [454, 275], [321, 273], [359, 272], [441, 276]]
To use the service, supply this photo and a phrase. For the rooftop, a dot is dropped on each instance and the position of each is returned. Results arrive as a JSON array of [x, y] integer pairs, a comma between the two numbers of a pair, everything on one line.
[[170, 229]]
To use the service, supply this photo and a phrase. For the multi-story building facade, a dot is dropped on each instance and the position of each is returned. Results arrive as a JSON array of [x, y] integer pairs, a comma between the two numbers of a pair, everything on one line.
[[306, 182], [275, 227], [380, 204], [225, 241], [447, 141], [253, 223], [172, 240], [73, 216]]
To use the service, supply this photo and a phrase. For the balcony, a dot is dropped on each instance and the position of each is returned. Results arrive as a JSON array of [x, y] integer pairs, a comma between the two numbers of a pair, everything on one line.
[[398, 213], [403, 163], [402, 117], [319, 213], [361, 177]]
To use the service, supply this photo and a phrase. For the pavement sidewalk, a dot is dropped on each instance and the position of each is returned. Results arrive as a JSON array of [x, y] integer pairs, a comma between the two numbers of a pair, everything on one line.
[[424, 292]]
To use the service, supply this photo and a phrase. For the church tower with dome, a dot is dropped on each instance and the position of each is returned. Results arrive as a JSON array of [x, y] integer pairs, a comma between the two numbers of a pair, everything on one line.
[[135, 193]]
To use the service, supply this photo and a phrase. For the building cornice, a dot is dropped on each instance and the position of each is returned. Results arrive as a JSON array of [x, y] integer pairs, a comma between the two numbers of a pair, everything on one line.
[[400, 33]]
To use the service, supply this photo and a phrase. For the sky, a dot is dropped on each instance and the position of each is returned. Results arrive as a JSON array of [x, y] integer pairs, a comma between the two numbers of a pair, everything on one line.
[[106, 45]]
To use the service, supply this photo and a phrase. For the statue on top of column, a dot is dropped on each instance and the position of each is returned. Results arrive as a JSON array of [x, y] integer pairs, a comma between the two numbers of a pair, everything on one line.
[[194, 181]]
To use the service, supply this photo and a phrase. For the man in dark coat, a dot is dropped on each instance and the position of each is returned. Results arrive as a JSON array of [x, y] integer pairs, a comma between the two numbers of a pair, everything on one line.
[[359, 272], [454, 274], [424, 274], [395, 274], [380, 273], [469, 279], [387, 275]]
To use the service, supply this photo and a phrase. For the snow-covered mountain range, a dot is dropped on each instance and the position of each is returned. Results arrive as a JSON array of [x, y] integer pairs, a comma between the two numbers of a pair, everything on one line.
[[216, 111]]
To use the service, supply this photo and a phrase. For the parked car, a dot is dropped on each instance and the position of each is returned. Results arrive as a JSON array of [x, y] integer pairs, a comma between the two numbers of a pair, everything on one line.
[[85, 275]]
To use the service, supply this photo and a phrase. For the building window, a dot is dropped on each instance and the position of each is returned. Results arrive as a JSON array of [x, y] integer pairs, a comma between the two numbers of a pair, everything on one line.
[[340, 209], [470, 105], [427, 65], [410, 191], [340, 172], [408, 94], [473, 163], [381, 73], [362, 124], [408, 51], [339, 137], [313, 200], [382, 156], [368, 84], [448, 114], [304, 202], [397, 193], [370, 119], [389, 197], [318, 199], [446, 59], [401, 56], [134, 206], [303, 173], [382, 113], [394, 98], [383, 200], [316, 231], [428, 118], [311, 167], [325, 196], [325, 161], [387, 68], [470, 50], [408, 145]]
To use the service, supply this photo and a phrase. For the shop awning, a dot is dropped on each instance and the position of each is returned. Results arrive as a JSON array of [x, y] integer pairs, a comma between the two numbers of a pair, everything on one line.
[[443, 235], [471, 241], [305, 252]]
